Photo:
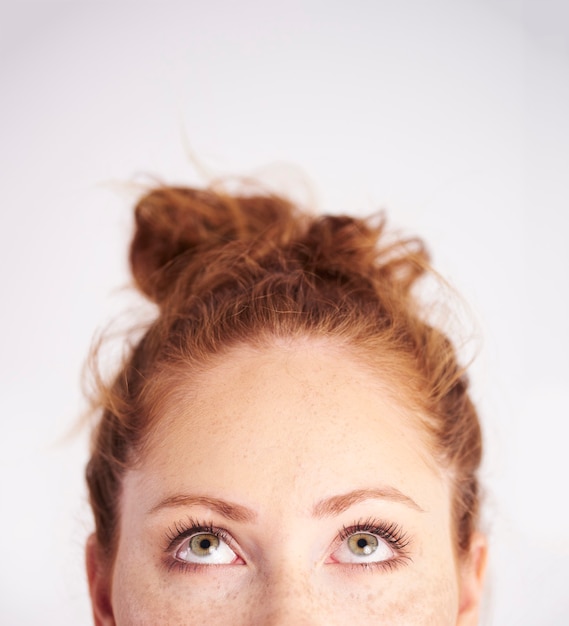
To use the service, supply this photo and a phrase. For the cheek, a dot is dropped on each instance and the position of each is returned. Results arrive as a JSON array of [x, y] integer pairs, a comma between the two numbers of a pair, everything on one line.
[[431, 601], [368, 599], [406, 599], [146, 601]]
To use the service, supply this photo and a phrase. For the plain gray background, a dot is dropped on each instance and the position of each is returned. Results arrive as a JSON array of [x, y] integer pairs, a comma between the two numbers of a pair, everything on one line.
[[452, 115]]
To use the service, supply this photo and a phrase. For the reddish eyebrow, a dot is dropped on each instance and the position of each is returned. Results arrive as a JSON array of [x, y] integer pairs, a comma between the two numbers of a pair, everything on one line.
[[338, 504], [230, 510], [324, 508]]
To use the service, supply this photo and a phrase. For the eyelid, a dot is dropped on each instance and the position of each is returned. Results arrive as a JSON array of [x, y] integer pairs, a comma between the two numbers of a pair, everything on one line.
[[389, 533], [183, 530]]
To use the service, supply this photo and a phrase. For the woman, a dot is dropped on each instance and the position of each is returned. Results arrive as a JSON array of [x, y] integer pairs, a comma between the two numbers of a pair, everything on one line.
[[290, 442]]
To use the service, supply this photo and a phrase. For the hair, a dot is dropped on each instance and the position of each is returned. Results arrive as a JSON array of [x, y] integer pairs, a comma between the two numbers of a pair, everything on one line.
[[244, 269]]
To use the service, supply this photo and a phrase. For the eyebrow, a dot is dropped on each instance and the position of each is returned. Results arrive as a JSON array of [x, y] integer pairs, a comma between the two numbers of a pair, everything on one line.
[[328, 507], [338, 504], [229, 510]]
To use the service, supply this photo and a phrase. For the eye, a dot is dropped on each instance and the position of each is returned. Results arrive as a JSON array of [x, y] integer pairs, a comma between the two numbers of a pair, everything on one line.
[[362, 547], [206, 548]]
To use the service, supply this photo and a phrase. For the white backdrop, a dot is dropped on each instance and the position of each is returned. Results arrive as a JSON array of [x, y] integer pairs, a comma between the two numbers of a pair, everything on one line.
[[452, 115]]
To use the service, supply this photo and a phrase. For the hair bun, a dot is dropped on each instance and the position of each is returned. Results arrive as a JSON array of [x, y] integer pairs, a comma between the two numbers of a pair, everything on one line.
[[175, 224], [359, 248]]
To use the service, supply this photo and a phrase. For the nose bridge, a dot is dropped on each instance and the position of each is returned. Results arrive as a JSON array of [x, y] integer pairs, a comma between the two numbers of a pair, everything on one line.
[[287, 596]]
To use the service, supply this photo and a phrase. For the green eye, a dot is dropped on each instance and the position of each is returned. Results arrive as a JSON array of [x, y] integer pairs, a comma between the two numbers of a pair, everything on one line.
[[207, 547], [362, 544], [204, 544]]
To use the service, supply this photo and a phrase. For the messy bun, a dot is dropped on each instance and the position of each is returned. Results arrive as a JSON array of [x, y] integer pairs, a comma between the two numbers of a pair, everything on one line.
[[177, 226], [231, 269]]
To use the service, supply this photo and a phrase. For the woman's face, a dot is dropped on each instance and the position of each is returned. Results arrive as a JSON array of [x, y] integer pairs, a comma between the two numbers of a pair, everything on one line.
[[286, 486]]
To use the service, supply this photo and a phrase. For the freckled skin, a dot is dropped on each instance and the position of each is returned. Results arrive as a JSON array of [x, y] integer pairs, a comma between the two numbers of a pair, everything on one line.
[[278, 430]]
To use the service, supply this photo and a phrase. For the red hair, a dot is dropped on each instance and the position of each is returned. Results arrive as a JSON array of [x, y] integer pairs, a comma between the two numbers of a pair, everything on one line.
[[242, 269]]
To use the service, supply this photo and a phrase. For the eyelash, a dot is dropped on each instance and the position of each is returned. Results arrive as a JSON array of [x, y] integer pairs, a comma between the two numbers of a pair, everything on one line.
[[182, 530], [390, 532]]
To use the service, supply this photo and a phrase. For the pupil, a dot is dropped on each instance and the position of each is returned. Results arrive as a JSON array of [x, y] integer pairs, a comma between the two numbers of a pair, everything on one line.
[[362, 543], [205, 544]]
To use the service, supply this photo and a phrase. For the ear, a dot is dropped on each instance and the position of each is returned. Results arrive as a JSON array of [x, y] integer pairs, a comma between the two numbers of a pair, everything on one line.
[[472, 573], [98, 577]]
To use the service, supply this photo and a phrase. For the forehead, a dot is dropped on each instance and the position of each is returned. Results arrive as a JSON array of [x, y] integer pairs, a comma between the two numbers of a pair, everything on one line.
[[306, 418]]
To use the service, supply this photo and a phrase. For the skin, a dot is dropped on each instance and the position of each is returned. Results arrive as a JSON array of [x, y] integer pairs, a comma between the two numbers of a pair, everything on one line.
[[280, 433]]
